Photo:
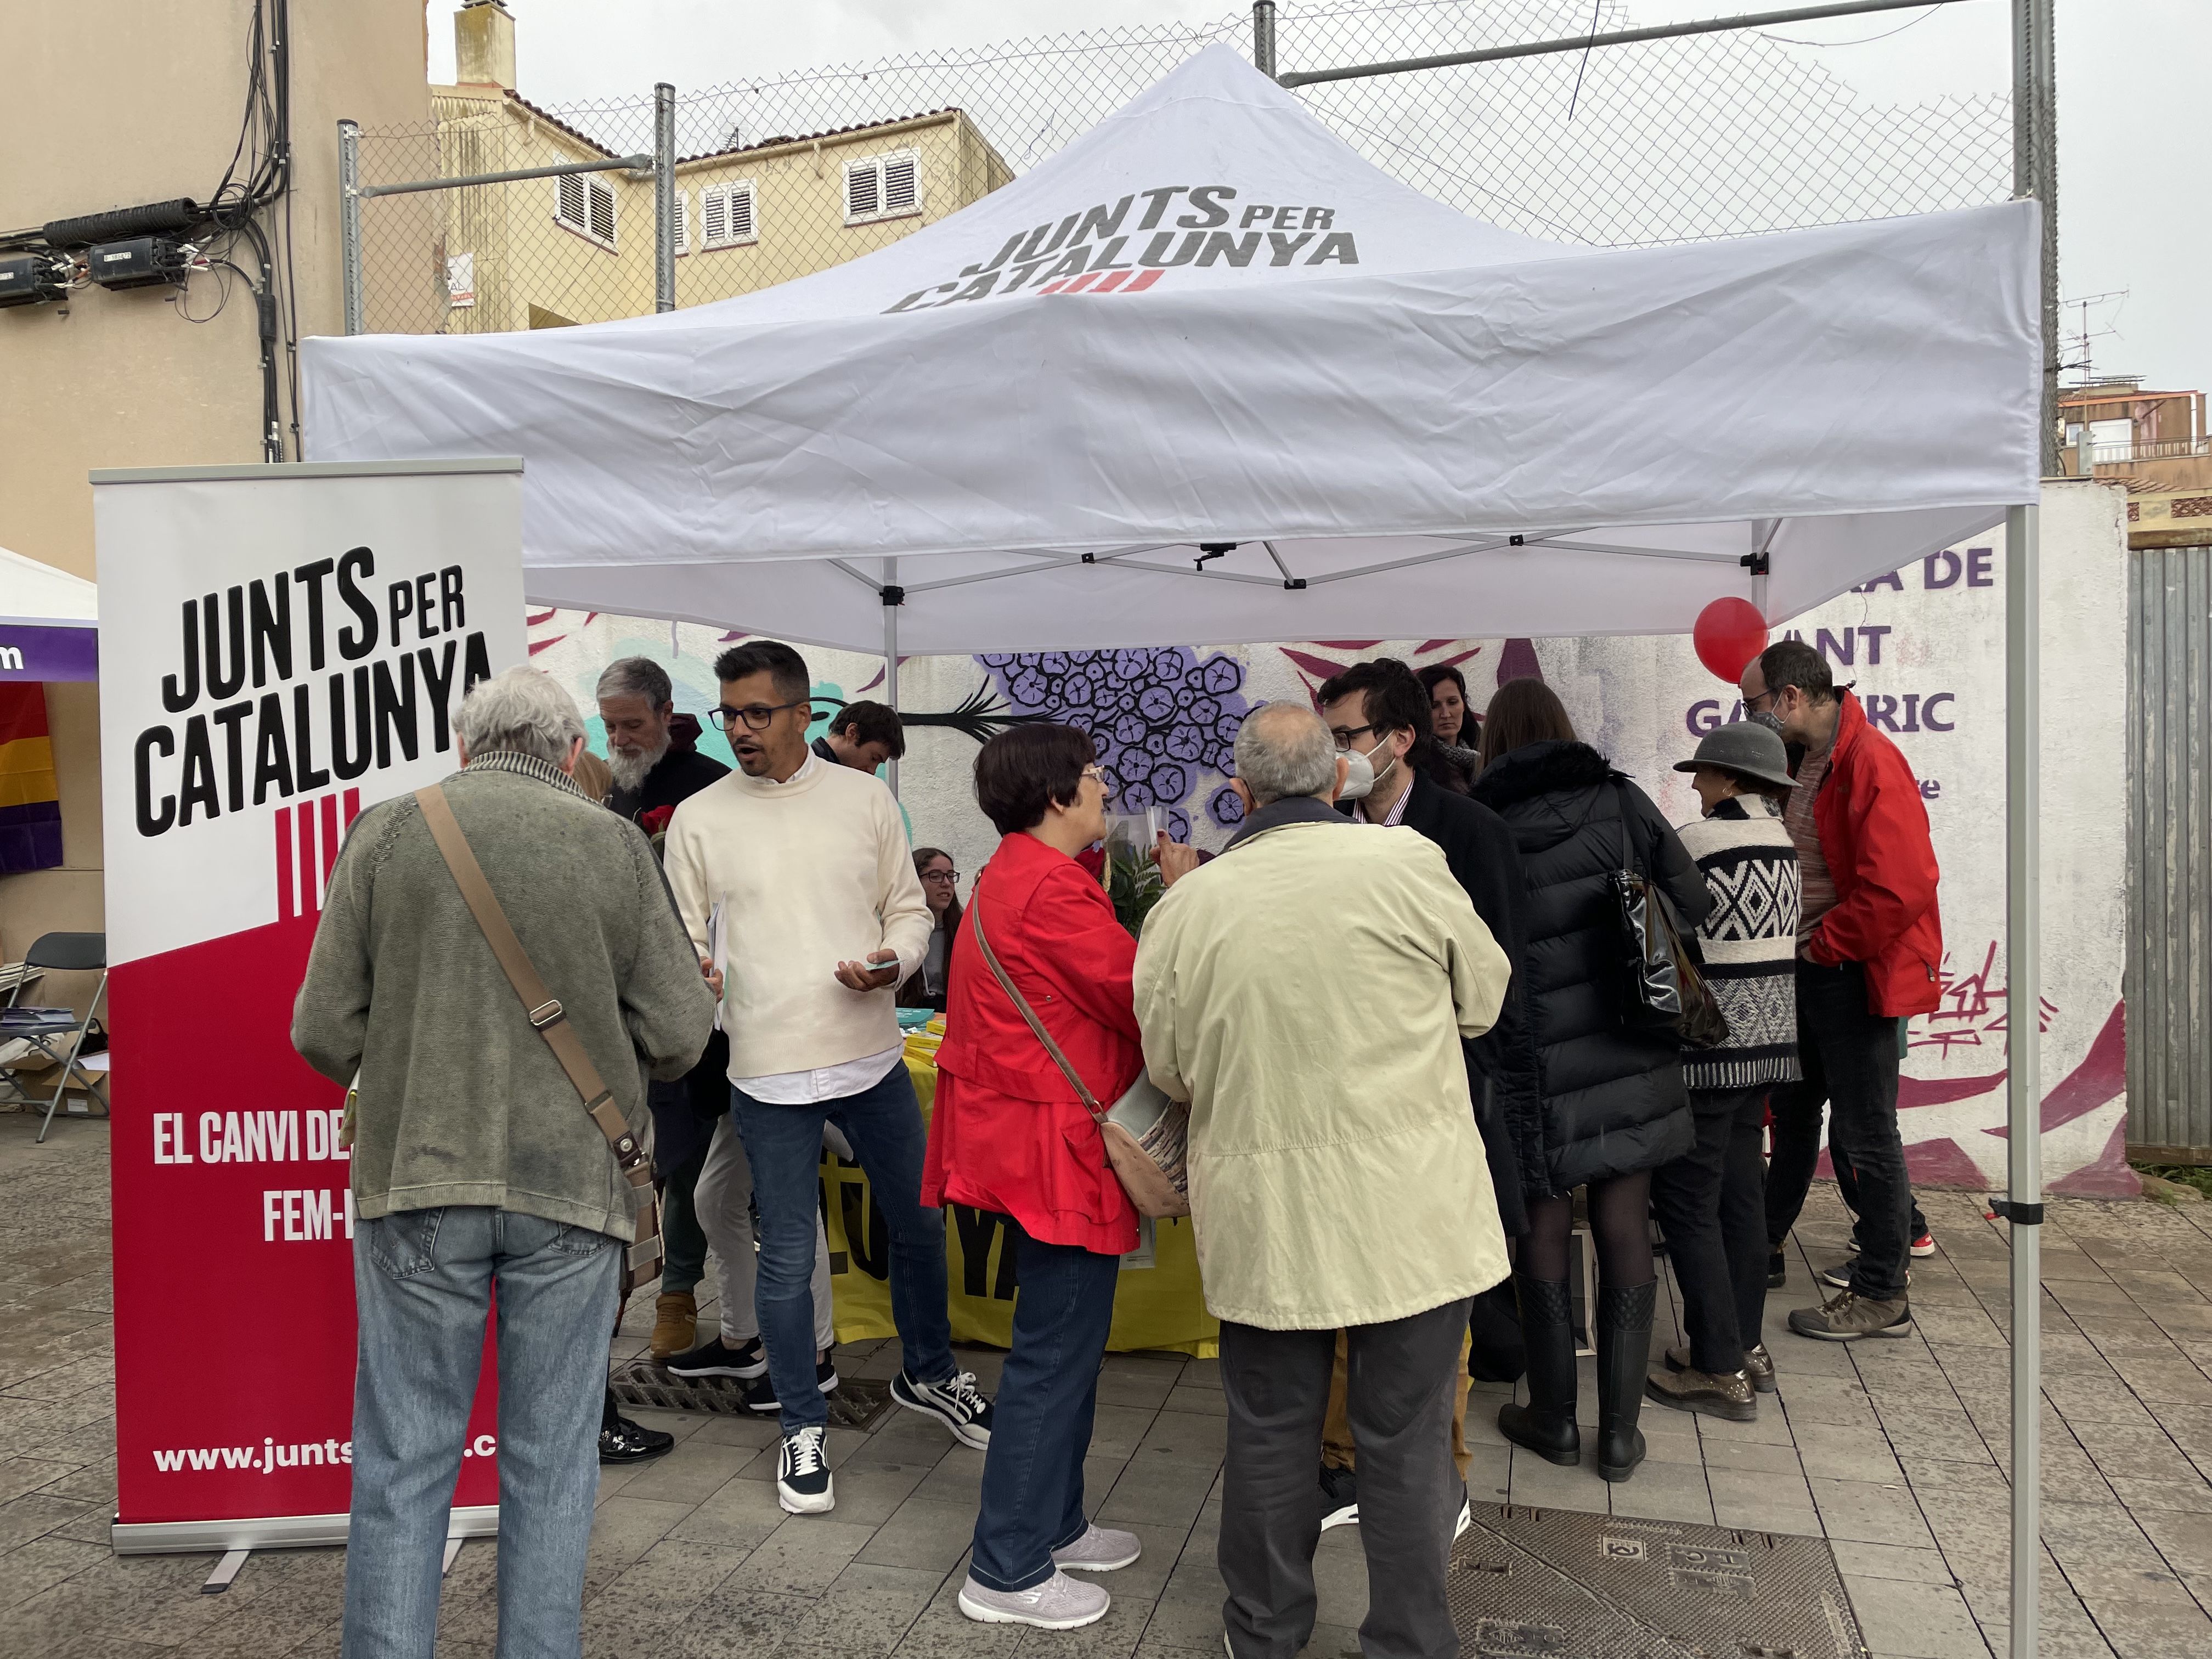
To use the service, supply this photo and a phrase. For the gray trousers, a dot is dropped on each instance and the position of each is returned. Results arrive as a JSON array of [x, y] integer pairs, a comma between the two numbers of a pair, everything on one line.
[[1399, 1390]]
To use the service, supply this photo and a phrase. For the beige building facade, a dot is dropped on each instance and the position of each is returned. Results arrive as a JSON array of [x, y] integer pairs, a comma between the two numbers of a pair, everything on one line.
[[112, 104], [547, 252]]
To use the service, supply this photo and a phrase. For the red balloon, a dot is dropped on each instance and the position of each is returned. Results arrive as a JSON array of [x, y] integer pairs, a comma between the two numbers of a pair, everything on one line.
[[1729, 634]]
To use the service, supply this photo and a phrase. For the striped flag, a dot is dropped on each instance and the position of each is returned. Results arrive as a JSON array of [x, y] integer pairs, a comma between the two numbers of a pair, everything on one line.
[[30, 799]]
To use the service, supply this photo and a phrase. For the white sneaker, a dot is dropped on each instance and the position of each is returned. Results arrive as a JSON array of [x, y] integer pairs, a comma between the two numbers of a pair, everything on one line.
[[1101, 1549], [1059, 1603], [802, 1474]]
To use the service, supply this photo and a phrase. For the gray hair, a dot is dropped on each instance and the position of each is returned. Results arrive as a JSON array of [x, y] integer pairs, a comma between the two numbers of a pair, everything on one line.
[[1283, 750], [636, 676], [522, 712]]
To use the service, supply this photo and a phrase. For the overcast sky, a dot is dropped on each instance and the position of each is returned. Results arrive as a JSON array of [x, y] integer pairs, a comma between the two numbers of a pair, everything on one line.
[[2131, 104]]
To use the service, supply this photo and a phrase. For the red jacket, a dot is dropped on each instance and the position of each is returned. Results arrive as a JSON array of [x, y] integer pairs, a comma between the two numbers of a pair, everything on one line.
[[1008, 1133], [1873, 827]]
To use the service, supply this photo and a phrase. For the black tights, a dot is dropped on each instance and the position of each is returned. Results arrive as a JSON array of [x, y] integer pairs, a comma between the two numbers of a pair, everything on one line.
[[1620, 1224]]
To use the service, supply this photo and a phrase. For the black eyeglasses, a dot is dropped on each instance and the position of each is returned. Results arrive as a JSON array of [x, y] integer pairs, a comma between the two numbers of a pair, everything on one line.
[[1344, 735], [940, 875], [757, 717]]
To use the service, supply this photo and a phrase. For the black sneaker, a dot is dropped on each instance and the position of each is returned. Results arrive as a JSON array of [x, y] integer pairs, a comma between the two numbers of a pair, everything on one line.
[[802, 1473], [1340, 1497], [626, 1442], [953, 1402], [760, 1393], [718, 1358], [1778, 1270]]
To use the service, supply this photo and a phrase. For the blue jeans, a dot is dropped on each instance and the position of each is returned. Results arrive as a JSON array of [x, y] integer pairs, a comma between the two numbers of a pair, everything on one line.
[[1041, 1424], [423, 1285], [783, 1143]]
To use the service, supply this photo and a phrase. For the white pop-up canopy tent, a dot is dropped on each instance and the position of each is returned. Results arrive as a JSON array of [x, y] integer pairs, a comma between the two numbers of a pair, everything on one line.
[[1209, 324], [1207, 377]]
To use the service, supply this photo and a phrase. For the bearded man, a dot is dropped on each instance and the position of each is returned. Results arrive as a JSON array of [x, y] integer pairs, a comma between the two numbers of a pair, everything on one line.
[[650, 747]]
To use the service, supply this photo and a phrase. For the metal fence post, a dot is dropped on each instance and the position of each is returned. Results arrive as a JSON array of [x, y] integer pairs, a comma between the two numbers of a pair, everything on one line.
[[664, 196], [1263, 37], [349, 221], [2035, 173]]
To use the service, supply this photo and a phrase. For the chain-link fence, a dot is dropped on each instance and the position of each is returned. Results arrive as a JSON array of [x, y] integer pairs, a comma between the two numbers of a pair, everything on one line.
[[1673, 140]]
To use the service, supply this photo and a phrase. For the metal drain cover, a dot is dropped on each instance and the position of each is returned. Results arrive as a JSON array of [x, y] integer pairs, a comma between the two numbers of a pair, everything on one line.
[[1548, 1584], [857, 1403]]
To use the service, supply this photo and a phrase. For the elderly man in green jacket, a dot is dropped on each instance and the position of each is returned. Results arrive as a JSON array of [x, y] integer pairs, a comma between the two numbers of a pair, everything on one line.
[[474, 1161], [1307, 992]]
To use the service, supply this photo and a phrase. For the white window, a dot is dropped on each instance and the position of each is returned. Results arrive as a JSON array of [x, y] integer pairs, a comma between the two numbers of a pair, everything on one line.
[[586, 205], [883, 187], [683, 224], [726, 216]]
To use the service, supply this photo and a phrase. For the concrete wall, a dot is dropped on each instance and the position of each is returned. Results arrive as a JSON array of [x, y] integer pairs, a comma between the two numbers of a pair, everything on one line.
[[111, 103], [1926, 650]]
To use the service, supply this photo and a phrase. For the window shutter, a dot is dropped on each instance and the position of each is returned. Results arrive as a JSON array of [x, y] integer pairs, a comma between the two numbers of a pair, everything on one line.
[[603, 211], [741, 213], [570, 208], [863, 191], [899, 194], [713, 216], [683, 223]]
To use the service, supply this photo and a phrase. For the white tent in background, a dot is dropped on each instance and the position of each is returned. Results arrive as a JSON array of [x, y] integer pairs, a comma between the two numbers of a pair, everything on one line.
[[1206, 376]]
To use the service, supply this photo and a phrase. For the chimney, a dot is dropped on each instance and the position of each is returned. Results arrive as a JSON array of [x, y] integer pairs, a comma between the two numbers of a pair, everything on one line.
[[483, 44]]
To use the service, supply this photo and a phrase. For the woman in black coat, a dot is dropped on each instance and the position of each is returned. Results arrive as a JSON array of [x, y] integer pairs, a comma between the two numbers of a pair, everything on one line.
[[1614, 1108]]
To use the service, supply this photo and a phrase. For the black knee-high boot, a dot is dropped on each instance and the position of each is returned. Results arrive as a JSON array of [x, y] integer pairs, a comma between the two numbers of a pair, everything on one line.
[[1545, 1425], [1623, 1355]]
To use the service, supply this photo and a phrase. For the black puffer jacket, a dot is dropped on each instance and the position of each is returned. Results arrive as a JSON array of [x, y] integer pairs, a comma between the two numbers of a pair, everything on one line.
[[1613, 1100]]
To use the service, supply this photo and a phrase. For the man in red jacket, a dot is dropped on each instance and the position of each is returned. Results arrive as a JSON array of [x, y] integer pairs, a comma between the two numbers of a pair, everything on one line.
[[1869, 950]]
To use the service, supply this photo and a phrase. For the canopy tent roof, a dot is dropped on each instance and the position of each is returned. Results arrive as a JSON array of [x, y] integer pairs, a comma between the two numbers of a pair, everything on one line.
[[1209, 322], [35, 595]]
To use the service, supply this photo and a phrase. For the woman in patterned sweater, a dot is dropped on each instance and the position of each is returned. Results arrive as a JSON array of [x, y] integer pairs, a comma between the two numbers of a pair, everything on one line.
[[1711, 1202]]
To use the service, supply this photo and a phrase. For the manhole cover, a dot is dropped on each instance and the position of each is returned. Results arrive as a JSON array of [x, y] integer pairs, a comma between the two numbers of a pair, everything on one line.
[[1534, 1583], [858, 1402]]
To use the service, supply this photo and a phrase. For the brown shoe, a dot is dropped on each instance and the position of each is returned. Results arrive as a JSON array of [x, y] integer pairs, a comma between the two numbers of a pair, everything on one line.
[[1691, 1390], [1757, 1364], [1846, 1317], [675, 1323]]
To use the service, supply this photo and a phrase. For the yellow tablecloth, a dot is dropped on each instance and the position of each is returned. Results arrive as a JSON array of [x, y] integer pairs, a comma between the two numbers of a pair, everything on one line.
[[1156, 1307]]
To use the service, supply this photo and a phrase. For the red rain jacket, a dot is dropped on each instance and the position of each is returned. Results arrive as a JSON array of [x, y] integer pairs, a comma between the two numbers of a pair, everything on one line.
[[1008, 1133], [1872, 826]]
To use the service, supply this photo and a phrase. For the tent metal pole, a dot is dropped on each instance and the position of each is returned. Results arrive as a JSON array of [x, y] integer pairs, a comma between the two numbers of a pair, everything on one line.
[[894, 595], [2023, 1204], [1263, 37]]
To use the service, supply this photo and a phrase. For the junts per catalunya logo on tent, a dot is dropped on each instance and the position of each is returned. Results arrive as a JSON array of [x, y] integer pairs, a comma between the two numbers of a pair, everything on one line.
[[1126, 246], [281, 682]]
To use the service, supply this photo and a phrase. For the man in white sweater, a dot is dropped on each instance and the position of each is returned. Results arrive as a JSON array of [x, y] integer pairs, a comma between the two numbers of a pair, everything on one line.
[[825, 917]]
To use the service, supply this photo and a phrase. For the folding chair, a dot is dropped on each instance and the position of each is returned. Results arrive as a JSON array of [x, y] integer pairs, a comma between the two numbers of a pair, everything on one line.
[[57, 1033]]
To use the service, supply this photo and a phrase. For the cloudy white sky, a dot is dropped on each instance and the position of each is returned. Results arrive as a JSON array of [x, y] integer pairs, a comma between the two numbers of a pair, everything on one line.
[[2130, 102]]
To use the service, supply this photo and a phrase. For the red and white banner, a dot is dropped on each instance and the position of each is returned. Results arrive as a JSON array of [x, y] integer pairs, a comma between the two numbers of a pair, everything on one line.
[[282, 646]]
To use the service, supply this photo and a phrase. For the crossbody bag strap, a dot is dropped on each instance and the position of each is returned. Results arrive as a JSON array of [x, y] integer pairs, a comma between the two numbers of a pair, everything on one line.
[[983, 943], [543, 1010]]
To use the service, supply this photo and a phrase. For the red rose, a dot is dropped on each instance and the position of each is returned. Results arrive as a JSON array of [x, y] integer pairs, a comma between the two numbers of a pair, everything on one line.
[[654, 820]]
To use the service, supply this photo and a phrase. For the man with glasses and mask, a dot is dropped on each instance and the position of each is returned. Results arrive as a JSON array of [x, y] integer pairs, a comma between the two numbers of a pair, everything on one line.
[[808, 865], [1377, 713], [1869, 953]]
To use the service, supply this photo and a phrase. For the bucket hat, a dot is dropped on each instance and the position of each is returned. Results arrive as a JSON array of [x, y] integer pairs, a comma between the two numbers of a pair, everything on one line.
[[1744, 748]]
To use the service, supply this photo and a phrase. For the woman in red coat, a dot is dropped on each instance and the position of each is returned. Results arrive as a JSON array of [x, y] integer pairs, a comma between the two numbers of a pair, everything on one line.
[[1009, 1134]]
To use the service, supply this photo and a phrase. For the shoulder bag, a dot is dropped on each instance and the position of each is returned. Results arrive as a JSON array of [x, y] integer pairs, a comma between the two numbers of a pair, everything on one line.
[[1147, 1135], [1665, 992], [551, 1022]]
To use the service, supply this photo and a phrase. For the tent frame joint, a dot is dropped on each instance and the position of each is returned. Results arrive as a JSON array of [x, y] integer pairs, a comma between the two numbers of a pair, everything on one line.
[[2021, 1215], [1760, 563], [891, 593]]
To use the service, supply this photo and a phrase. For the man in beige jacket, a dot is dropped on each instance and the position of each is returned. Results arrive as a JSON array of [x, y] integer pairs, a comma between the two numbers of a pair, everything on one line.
[[1307, 992]]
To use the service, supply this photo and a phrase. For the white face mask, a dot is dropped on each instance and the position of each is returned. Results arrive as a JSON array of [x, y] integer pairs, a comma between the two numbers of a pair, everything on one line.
[[1360, 776]]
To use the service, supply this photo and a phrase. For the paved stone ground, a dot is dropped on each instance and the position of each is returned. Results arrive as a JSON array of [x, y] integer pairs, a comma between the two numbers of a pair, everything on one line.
[[1896, 1451]]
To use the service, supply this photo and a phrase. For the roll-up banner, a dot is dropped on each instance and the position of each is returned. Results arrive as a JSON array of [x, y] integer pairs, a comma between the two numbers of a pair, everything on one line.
[[282, 646]]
